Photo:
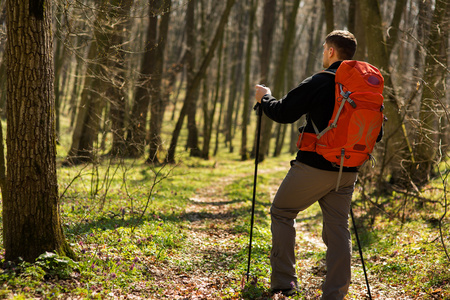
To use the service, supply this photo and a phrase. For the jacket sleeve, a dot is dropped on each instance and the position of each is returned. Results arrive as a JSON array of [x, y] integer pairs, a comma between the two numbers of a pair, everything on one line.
[[292, 106], [313, 96]]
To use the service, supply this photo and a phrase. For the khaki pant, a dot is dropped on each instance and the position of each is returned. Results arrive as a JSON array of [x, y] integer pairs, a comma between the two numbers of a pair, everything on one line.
[[303, 186]]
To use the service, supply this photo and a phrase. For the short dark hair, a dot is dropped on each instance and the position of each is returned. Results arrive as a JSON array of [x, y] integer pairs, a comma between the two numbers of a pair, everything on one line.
[[344, 42]]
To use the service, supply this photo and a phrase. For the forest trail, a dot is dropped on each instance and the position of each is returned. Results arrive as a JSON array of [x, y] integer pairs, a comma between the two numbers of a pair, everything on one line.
[[206, 273], [211, 237]]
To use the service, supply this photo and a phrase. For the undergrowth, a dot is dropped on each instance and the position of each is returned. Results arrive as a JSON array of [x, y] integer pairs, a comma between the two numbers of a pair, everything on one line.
[[135, 234]]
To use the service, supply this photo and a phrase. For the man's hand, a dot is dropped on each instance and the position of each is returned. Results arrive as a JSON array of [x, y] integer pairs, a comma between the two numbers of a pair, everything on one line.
[[261, 90]]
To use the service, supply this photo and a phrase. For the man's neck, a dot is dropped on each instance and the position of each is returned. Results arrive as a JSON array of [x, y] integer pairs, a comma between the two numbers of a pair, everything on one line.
[[333, 63]]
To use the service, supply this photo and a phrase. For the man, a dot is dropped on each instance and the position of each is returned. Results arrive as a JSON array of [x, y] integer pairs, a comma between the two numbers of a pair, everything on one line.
[[312, 178]]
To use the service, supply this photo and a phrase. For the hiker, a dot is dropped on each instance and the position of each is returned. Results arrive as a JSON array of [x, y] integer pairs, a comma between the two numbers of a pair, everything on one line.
[[312, 178]]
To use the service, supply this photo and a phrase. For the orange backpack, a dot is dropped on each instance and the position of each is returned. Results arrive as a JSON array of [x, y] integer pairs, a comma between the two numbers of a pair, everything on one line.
[[357, 117]]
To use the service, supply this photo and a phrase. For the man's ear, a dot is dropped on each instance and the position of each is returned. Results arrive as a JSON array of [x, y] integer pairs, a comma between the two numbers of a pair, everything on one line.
[[331, 52]]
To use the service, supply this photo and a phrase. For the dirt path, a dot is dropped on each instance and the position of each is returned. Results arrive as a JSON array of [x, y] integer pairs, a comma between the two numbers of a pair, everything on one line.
[[209, 237]]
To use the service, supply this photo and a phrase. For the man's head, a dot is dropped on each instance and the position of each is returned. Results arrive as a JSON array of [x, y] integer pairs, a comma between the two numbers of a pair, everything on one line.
[[338, 45]]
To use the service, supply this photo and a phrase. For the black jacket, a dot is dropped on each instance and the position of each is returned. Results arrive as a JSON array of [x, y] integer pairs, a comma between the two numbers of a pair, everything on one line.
[[314, 97]]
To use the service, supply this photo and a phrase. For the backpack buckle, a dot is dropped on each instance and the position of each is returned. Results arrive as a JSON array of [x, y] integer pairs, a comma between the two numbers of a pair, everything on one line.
[[346, 96]]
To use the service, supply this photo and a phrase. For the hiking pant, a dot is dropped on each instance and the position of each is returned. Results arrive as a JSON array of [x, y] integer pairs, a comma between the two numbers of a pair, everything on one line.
[[302, 187]]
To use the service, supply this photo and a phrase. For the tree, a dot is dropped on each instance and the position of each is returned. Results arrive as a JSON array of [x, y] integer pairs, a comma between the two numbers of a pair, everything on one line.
[[237, 52], [148, 79], [93, 98], [434, 81], [329, 13], [2, 62], [192, 140], [170, 158], [209, 113], [356, 26], [267, 29], [31, 221], [280, 71], [247, 97], [60, 53], [157, 100], [395, 140], [223, 82], [116, 86]]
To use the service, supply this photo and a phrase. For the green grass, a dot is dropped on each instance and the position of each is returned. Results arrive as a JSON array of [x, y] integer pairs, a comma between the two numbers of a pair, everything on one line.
[[135, 237]]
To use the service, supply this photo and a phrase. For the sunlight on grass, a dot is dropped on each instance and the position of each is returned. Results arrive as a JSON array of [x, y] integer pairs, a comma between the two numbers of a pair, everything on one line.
[[146, 231]]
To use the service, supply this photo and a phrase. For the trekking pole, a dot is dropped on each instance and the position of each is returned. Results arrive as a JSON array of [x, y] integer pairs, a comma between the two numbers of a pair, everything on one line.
[[360, 253], [258, 110]]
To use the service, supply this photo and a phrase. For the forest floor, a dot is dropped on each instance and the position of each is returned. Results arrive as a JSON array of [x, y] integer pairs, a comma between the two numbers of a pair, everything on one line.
[[187, 237], [211, 230]]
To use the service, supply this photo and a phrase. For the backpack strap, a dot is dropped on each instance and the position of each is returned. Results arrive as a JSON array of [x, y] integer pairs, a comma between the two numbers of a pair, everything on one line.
[[329, 71], [345, 98], [316, 130], [341, 166]]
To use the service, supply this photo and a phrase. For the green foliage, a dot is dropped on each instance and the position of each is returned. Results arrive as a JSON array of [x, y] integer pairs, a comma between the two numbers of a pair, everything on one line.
[[254, 289], [155, 233], [55, 266]]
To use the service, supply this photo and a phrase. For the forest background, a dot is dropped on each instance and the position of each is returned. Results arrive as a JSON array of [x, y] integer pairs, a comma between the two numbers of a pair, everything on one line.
[[161, 92]]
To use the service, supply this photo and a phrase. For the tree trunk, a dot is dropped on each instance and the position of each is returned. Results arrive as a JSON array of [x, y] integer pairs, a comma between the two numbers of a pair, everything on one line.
[[351, 22], [360, 33], [78, 85], [92, 102], [395, 138], [138, 120], [192, 140], [315, 38], [267, 28], [60, 53], [31, 221], [236, 73], [158, 103], [329, 15], [433, 93], [248, 99], [196, 81], [3, 65], [3, 85], [280, 72], [116, 90], [209, 116], [2, 164], [223, 91], [392, 37]]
